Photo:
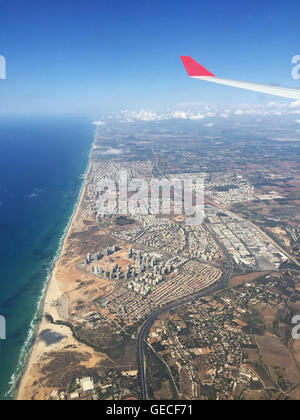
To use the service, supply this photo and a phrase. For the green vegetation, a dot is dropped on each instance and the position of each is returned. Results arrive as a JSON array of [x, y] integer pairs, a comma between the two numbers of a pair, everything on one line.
[[123, 221], [157, 374]]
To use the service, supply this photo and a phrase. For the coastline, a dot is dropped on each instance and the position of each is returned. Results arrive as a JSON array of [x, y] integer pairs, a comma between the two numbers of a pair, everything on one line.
[[50, 289]]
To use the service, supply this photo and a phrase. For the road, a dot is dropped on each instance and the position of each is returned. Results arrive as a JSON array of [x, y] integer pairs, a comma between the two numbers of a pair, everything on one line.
[[147, 325], [228, 274], [262, 232]]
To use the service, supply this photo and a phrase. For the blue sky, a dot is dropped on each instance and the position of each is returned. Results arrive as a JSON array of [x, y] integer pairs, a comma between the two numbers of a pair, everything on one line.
[[91, 57]]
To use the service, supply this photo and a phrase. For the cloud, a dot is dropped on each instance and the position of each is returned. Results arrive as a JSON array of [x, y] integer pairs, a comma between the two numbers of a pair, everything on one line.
[[112, 151], [141, 115], [197, 117], [98, 123], [178, 115], [295, 104], [203, 112], [209, 125], [224, 115]]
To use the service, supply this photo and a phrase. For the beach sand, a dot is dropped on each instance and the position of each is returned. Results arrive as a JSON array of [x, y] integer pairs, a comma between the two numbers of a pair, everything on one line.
[[50, 338]]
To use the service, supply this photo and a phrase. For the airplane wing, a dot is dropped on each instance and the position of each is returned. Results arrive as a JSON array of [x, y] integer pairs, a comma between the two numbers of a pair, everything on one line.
[[196, 71]]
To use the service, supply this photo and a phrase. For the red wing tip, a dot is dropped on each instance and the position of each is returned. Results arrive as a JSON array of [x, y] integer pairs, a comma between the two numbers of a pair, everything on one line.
[[193, 68]]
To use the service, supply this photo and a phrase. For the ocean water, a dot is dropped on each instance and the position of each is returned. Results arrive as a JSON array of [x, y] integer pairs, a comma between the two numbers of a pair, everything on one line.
[[41, 160]]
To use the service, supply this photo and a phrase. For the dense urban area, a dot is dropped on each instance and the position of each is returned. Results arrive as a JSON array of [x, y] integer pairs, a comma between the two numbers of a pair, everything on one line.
[[153, 307]]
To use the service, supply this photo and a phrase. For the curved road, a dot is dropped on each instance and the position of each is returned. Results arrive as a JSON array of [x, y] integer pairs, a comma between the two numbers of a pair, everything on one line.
[[146, 326]]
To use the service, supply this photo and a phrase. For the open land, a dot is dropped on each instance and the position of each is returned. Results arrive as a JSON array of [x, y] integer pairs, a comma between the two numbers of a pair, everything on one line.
[[148, 306]]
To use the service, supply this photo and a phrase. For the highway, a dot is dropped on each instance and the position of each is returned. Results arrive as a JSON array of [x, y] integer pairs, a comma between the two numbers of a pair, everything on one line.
[[147, 324]]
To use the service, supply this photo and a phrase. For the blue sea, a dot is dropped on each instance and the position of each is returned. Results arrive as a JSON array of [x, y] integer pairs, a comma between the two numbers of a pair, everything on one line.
[[41, 160]]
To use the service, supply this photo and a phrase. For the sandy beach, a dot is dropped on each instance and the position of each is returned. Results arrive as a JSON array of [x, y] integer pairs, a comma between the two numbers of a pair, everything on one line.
[[52, 294], [51, 338]]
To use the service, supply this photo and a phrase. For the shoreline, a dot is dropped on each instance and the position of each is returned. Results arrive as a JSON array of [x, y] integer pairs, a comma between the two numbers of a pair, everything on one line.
[[18, 389]]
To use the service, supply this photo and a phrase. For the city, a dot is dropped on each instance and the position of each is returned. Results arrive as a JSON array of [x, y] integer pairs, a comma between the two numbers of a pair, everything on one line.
[[164, 309]]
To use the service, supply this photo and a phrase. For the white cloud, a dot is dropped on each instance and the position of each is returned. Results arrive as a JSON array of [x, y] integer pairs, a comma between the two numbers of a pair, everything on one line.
[[141, 115], [204, 111], [197, 117], [98, 123], [295, 104], [112, 151], [178, 115]]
